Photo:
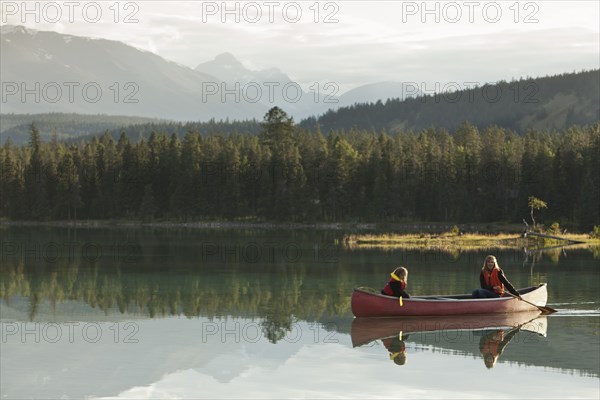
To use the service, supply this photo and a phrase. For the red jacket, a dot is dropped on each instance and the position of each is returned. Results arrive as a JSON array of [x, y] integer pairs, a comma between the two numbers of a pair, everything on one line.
[[492, 279], [395, 287]]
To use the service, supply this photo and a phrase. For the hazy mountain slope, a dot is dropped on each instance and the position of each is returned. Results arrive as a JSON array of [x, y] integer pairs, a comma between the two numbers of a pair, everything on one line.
[[552, 102], [131, 81], [383, 91], [17, 127]]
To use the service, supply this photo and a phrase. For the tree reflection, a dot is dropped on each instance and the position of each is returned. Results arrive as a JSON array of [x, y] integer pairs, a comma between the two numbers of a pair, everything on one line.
[[276, 327], [278, 294]]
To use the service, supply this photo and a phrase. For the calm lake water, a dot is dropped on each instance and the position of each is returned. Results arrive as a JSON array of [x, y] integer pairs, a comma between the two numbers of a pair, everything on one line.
[[131, 313]]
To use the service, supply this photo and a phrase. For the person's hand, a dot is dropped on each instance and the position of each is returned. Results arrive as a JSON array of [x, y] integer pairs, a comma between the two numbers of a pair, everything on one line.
[[496, 287]]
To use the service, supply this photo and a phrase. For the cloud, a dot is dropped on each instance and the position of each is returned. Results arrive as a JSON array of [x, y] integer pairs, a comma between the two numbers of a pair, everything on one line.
[[370, 42]]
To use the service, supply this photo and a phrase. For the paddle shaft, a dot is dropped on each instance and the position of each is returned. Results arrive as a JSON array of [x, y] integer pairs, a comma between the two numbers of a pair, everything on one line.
[[545, 310]]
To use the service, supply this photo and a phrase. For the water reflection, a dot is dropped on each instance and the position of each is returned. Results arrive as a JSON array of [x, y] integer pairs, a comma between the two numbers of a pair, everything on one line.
[[396, 347], [185, 281], [495, 332], [492, 344]]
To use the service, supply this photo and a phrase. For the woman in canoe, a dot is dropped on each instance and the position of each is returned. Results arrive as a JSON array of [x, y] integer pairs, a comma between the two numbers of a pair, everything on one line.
[[397, 284], [493, 282]]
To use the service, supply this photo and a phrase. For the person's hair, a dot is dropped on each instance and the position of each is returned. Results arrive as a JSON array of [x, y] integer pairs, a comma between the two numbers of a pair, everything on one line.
[[489, 360], [401, 272], [493, 258], [400, 359]]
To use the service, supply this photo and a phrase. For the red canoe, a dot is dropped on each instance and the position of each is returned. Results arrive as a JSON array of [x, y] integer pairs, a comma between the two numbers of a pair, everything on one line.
[[367, 303]]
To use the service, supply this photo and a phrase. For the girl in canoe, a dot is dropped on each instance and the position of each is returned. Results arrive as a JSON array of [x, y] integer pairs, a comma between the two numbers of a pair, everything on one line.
[[493, 282], [397, 284]]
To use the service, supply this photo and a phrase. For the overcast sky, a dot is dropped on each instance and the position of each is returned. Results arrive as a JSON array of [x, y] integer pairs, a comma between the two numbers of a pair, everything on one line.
[[347, 42]]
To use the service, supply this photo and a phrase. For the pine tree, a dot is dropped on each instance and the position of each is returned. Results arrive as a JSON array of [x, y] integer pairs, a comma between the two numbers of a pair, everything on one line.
[[68, 187], [11, 183], [35, 180], [148, 206]]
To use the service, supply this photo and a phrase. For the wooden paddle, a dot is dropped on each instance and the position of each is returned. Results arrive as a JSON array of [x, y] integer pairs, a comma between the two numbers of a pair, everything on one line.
[[544, 310]]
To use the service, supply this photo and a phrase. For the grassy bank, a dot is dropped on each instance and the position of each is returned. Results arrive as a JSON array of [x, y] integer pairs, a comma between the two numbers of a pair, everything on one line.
[[464, 242]]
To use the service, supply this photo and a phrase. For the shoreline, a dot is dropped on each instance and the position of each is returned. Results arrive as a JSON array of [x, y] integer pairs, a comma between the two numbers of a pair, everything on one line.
[[382, 236], [100, 224], [397, 228]]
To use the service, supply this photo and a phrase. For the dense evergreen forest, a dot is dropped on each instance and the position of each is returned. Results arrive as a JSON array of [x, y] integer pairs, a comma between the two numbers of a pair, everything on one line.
[[547, 103], [286, 173]]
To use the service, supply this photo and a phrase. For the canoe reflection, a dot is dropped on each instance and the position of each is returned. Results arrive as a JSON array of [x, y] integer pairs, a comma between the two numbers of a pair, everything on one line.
[[495, 331]]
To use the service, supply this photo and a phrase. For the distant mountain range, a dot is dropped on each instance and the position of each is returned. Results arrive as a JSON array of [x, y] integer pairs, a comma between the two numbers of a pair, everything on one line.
[[74, 74], [57, 78], [269, 87], [45, 72], [228, 69]]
